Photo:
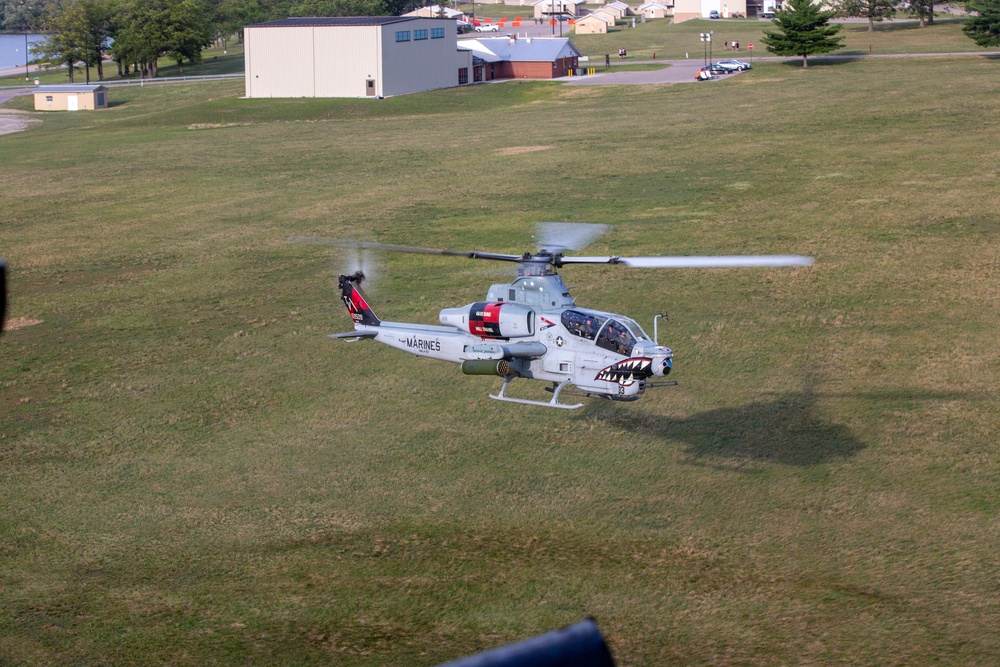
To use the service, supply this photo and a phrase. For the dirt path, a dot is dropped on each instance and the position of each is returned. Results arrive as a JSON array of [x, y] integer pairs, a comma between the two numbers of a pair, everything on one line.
[[12, 120]]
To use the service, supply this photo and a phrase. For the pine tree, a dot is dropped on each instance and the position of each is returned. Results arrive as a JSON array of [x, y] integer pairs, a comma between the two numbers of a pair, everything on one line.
[[984, 27], [803, 29]]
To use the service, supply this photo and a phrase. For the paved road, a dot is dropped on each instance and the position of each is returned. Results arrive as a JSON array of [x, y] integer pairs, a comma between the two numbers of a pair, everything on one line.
[[681, 71]]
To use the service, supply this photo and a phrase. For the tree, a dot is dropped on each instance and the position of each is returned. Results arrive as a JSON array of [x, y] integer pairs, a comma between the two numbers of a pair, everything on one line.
[[78, 32], [923, 10], [339, 8], [145, 30], [873, 10], [984, 27], [803, 30], [21, 15], [188, 31]]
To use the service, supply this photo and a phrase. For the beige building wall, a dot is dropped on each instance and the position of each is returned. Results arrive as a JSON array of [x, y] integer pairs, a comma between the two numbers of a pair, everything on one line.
[[609, 17], [51, 100], [617, 12], [340, 61], [279, 62], [571, 9], [695, 9], [590, 25], [419, 65], [654, 12]]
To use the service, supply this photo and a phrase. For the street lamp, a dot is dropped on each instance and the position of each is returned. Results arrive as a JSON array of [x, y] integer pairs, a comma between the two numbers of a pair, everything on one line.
[[25, 57], [706, 39], [710, 33]]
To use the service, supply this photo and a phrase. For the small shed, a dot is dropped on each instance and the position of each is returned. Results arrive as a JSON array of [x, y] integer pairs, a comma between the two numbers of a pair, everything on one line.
[[71, 97], [614, 9], [593, 24]]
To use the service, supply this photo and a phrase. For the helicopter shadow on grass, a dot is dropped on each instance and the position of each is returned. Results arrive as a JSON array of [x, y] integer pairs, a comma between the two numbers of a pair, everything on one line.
[[784, 428]]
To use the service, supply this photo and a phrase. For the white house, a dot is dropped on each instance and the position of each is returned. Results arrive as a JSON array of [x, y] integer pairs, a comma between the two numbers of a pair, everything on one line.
[[436, 12], [355, 56], [654, 10], [545, 8]]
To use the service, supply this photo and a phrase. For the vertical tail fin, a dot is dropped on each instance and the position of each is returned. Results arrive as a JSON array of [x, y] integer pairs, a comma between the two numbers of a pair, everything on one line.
[[359, 309]]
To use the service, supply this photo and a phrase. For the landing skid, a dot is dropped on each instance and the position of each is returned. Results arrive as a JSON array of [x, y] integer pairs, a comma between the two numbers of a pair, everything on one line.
[[554, 403], [615, 397]]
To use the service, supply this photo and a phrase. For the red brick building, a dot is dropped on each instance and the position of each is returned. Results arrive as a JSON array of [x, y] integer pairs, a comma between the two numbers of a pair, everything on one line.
[[521, 58]]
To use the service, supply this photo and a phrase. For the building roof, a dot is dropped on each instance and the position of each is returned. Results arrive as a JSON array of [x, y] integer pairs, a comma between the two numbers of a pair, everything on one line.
[[652, 4], [70, 88], [436, 9], [559, 2], [532, 50], [618, 5], [339, 21], [598, 16]]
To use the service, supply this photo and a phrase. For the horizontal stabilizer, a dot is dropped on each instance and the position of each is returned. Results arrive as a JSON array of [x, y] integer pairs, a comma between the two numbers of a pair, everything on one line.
[[355, 335]]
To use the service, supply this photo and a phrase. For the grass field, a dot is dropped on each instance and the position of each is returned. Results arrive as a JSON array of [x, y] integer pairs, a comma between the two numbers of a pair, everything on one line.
[[191, 473]]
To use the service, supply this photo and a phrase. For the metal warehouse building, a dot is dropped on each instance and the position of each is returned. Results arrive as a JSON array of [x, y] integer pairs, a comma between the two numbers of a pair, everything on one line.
[[357, 56]]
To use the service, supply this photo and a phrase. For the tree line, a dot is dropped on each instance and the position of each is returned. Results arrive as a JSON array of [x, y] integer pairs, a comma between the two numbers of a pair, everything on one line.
[[135, 34]]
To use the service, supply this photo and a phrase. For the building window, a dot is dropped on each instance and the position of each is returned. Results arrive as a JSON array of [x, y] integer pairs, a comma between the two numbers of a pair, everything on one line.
[[437, 33], [403, 36], [48, 98], [463, 75], [419, 34]]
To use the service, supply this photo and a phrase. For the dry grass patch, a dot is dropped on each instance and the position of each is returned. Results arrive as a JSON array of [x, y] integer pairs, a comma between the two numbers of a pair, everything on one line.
[[518, 150], [22, 322]]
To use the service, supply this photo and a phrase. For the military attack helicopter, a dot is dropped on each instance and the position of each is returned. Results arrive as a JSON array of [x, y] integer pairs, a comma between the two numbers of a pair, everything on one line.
[[531, 328]]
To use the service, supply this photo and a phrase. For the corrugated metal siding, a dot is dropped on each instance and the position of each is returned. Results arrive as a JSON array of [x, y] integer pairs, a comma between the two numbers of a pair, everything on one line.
[[416, 66], [345, 58], [279, 62], [328, 61]]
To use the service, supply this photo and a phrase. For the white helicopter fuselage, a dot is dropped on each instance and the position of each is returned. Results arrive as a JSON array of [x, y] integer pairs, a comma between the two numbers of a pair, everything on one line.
[[531, 328]]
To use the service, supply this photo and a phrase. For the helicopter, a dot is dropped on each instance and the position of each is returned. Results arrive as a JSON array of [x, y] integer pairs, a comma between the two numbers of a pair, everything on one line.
[[532, 328]]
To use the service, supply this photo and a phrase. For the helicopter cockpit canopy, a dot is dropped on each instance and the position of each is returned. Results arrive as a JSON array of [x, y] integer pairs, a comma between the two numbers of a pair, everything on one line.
[[617, 334]]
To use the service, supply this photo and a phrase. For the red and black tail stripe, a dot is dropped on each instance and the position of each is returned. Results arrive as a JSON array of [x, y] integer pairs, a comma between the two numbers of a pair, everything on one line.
[[359, 309]]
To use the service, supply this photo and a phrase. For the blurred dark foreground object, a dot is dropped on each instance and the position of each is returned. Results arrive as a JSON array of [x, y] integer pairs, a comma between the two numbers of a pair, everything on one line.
[[577, 645], [3, 293]]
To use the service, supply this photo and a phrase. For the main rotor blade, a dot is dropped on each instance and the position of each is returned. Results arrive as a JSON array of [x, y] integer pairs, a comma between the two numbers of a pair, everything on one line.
[[367, 245], [707, 262], [559, 236]]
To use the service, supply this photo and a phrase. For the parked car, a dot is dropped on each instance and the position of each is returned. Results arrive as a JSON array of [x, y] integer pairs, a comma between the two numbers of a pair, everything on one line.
[[714, 14], [767, 14], [716, 70], [731, 65], [487, 27]]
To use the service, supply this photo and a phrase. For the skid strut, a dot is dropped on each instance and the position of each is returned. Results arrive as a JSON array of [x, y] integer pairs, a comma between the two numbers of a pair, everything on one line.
[[554, 403]]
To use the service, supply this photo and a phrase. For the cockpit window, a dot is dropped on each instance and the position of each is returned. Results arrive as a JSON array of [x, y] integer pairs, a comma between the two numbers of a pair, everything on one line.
[[616, 337], [634, 327], [584, 325]]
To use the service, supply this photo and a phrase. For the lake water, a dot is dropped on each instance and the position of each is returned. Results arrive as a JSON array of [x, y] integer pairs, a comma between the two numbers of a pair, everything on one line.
[[12, 49]]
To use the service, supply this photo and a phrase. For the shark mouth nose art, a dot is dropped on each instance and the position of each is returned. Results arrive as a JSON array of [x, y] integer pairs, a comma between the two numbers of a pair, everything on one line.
[[628, 371]]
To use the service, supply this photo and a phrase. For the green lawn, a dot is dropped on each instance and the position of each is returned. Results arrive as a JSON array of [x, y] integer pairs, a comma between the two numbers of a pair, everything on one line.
[[192, 473], [674, 41]]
